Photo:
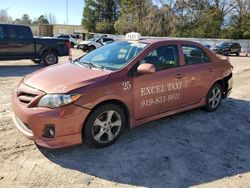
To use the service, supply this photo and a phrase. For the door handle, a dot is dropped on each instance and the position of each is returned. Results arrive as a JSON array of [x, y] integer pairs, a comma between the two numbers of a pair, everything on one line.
[[178, 76]]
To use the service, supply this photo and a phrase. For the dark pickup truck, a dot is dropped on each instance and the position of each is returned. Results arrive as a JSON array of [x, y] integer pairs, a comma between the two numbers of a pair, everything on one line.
[[17, 42]]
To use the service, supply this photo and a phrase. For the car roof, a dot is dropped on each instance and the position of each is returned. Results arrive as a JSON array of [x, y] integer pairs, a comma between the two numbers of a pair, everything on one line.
[[7, 24], [163, 40]]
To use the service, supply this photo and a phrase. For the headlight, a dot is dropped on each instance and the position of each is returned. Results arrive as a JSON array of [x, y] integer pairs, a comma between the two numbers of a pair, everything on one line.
[[57, 100]]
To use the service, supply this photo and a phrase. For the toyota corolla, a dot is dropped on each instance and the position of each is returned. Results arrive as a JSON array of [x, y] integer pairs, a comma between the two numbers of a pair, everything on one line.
[[119, 86]]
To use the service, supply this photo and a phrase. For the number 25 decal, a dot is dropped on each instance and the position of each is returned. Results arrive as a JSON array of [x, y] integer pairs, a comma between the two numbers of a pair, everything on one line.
[[126, 85]]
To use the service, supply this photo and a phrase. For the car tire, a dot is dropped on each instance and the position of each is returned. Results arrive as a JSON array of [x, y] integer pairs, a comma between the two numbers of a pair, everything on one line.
[[91, 48], [237, 53], [214, 98], [50, 58], [104, 125]]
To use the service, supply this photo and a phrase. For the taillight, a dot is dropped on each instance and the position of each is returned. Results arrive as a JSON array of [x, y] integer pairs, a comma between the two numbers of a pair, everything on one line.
[[68, 44]]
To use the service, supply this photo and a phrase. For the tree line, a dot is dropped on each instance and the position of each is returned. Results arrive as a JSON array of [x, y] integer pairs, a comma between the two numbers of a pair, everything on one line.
[[26, 20], [170, 18]]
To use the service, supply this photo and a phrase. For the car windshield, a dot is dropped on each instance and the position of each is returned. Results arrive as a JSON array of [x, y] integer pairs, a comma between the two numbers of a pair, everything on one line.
[[113, 56]]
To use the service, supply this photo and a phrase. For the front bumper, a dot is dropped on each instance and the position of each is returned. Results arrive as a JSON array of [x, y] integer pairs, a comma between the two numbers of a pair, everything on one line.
[[32, 122]]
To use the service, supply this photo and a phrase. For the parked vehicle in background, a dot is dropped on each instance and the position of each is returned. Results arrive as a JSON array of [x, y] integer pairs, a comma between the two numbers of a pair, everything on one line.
[[228, 48], [208, 46], [72, 39], [94, 43], [121, 85], [17, 42]]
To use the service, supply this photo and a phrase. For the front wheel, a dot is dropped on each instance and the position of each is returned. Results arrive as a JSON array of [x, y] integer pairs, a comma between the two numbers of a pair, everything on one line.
[[104, 126], [214, 97], [50, 58]]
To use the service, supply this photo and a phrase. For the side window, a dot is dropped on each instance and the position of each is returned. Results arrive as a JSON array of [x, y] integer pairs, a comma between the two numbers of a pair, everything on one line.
[[194, 55], [19, 33], [164, 57], [1, 33], [107, 39]]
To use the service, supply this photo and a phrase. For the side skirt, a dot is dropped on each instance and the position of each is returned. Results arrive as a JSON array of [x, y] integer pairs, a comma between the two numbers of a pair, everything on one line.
[[136, 123]]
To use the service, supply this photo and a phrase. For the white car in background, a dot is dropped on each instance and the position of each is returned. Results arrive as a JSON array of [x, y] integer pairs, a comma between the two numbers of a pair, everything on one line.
[[94, 43], [72, 39]]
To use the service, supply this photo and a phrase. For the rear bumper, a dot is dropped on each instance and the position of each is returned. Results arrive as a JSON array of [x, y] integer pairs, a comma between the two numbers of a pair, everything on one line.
[[67, 121], [229, 81]]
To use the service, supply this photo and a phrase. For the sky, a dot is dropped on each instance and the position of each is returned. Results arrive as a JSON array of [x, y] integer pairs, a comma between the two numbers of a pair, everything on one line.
[[35, 8]]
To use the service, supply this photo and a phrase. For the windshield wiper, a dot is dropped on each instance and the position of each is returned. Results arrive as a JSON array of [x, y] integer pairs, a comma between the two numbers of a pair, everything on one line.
[[88, 64], [93, 65], [77, 61]]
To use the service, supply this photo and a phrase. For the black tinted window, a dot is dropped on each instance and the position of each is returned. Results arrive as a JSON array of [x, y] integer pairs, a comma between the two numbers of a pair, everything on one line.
[[19, 33], [107, 39], [237, 45], [163, 57], [1, 32], [194, 55]]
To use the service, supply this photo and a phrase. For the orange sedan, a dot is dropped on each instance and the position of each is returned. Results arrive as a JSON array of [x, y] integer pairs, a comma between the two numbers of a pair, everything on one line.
[[121, 85]]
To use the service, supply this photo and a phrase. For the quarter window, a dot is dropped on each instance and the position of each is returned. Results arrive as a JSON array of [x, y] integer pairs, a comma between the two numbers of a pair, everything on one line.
[[194, 55], [163, 57]]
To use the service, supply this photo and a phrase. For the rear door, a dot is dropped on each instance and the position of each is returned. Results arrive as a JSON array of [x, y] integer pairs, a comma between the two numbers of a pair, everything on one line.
[[20, 42], [199, 74], [161, 91], [3, 42]]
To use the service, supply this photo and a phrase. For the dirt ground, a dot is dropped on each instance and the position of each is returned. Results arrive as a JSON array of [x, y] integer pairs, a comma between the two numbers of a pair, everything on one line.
[[194, 148]]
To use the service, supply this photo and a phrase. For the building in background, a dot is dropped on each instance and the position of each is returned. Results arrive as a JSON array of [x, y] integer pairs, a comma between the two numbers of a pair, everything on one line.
[[51, 30]]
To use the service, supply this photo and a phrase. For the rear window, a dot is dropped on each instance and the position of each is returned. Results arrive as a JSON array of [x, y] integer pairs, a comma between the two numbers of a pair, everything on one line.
[[237, 45], [194, 55]]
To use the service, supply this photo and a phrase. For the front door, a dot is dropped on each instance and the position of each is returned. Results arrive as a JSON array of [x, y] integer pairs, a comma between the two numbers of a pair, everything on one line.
[[161, 91]]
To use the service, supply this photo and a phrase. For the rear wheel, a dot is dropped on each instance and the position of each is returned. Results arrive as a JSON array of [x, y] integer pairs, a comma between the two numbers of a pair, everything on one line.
[[237, 53], [50, 58], [214, 97], [104, 126]]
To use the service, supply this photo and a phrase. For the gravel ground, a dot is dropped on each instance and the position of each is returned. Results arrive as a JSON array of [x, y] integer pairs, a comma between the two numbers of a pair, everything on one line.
[[194, 148]]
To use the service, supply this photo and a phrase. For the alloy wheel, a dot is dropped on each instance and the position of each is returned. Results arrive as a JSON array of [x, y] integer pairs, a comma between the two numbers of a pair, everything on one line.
[[106, 126], [215, 98], [50, 59]]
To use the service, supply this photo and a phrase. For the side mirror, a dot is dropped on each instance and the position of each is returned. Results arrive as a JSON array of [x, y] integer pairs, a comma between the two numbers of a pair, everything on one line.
[[146, 68]]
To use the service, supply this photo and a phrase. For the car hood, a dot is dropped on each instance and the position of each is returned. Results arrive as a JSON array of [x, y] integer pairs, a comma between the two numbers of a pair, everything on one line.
[[63, 78]]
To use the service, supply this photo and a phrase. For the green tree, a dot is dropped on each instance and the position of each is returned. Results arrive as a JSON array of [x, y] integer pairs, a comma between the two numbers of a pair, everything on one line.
[[25, 19], [42, 20], [89, 15], [100, 16]]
